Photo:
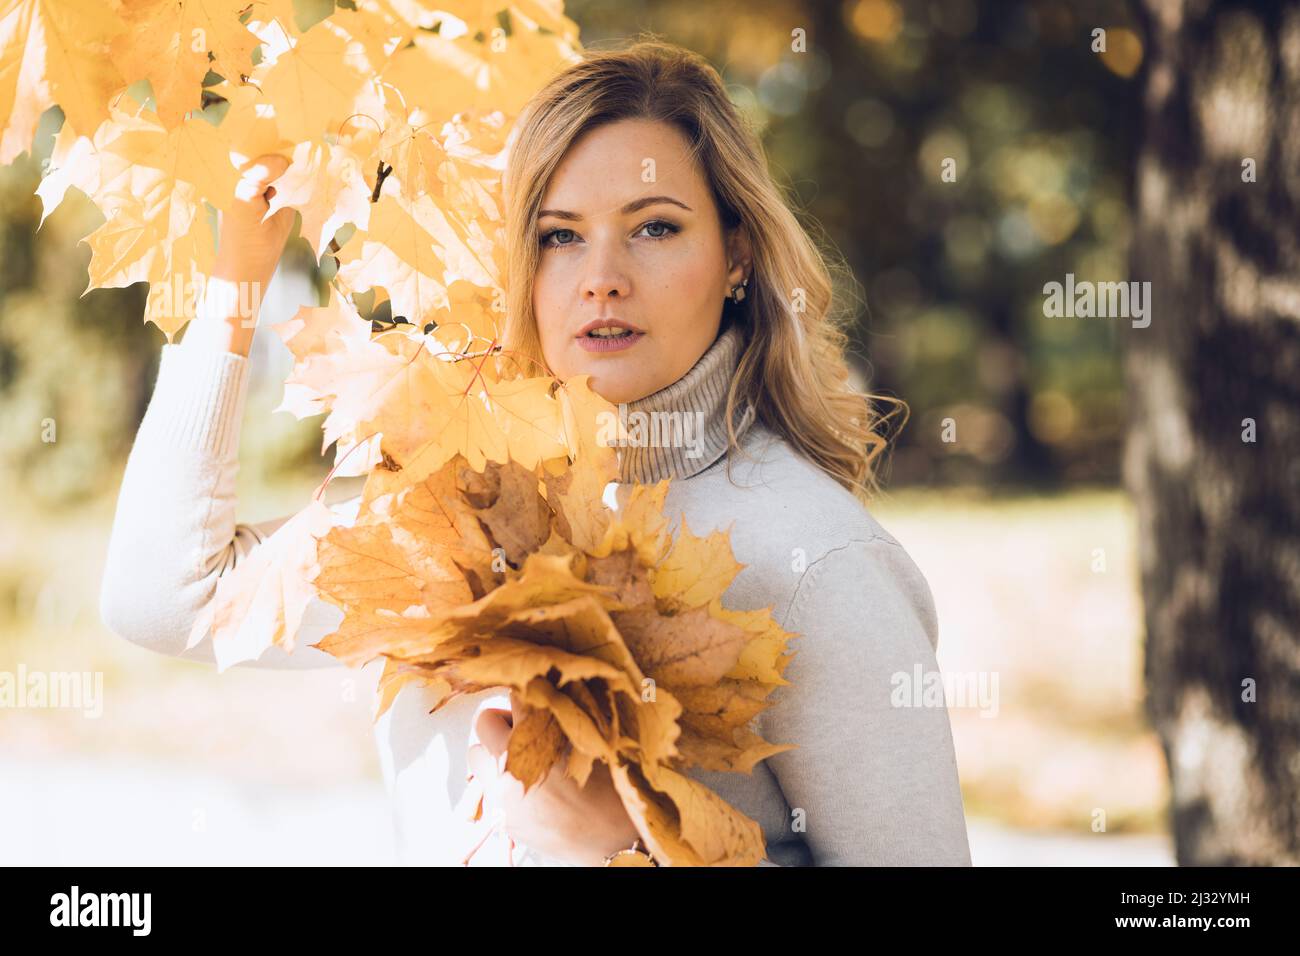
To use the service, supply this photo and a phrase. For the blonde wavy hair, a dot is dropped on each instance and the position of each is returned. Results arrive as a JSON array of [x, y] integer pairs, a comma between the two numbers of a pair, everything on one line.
[[792, 368]]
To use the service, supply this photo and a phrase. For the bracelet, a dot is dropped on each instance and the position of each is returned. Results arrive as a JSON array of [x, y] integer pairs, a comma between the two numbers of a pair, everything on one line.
[[635, 855]]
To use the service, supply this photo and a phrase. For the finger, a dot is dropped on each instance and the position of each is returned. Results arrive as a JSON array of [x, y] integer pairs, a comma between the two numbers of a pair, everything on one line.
[[248, 189], [493, 730], [257, 174]]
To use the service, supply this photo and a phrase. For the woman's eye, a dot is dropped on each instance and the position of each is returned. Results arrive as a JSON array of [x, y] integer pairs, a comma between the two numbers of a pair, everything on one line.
[[668, 228], [546, 239]]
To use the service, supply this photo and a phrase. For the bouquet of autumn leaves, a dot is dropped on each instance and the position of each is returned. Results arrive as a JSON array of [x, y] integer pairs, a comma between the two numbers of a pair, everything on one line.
[[483, 552], [498, 563]]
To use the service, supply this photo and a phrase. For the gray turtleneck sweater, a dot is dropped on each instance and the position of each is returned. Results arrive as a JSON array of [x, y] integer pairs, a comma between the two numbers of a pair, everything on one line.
[[873, 778]]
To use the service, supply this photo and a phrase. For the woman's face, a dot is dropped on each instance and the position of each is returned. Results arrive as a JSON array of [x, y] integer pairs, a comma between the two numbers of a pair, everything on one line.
[[639, 241]]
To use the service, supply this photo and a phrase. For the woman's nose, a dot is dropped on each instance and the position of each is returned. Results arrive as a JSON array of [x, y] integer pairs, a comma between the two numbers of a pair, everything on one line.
[[604, 278]]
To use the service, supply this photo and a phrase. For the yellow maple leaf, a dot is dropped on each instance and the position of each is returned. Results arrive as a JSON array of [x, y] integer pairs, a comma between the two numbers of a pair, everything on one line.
[[696, 570], [320, 81], [157, 244], [413, 249], [54, 52], [460, 407], [167, 43], [470, 64], [261, 601]]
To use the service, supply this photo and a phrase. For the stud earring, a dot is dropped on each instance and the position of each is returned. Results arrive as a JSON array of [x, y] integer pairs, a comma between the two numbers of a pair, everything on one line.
[[738, 291]]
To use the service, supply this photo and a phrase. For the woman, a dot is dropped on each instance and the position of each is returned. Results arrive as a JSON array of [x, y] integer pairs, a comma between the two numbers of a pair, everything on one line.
[[649, 248]]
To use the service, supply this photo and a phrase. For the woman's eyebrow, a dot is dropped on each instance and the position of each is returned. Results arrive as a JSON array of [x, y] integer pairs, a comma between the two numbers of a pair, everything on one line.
[[633, 206]]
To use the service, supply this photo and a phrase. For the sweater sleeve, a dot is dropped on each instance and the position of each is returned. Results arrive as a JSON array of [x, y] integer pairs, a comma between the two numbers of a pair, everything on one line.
[[871, 782], [174, 532]]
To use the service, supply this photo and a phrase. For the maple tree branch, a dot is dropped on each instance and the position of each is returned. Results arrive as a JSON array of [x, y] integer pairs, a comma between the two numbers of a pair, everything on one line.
[[460, 356], [380, 175]]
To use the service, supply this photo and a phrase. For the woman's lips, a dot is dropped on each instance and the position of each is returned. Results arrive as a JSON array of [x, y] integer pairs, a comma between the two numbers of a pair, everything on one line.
[[615, 344]]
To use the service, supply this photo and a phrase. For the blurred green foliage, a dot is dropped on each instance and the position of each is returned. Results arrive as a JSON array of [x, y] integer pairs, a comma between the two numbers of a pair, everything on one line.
[[74, 372]]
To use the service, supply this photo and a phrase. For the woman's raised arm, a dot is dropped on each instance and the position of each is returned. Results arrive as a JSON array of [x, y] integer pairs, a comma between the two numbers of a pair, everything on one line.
[[174, 533]]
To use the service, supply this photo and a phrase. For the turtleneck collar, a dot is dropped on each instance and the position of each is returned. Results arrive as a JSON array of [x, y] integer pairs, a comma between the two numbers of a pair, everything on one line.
[[681, 429]]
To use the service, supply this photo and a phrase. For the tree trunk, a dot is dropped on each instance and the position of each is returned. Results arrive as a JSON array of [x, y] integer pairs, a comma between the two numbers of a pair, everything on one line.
[[1219, 514]]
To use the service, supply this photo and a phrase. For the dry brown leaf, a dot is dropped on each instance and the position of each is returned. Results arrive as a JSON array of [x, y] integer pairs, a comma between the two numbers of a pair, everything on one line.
[[691, 649], [537, 743]]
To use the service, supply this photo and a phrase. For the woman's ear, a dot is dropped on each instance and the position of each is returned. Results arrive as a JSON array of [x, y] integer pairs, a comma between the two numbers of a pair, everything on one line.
[[739, 255]]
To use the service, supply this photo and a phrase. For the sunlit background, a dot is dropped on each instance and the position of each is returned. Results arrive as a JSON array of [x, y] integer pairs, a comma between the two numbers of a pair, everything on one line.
[[1020, 526]]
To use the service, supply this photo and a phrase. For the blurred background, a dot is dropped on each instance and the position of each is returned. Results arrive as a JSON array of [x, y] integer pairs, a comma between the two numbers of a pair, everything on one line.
[[1022, 526]]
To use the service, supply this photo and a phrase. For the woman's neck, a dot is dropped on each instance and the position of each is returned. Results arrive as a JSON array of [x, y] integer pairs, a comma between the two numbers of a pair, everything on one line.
[[681, 429]]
